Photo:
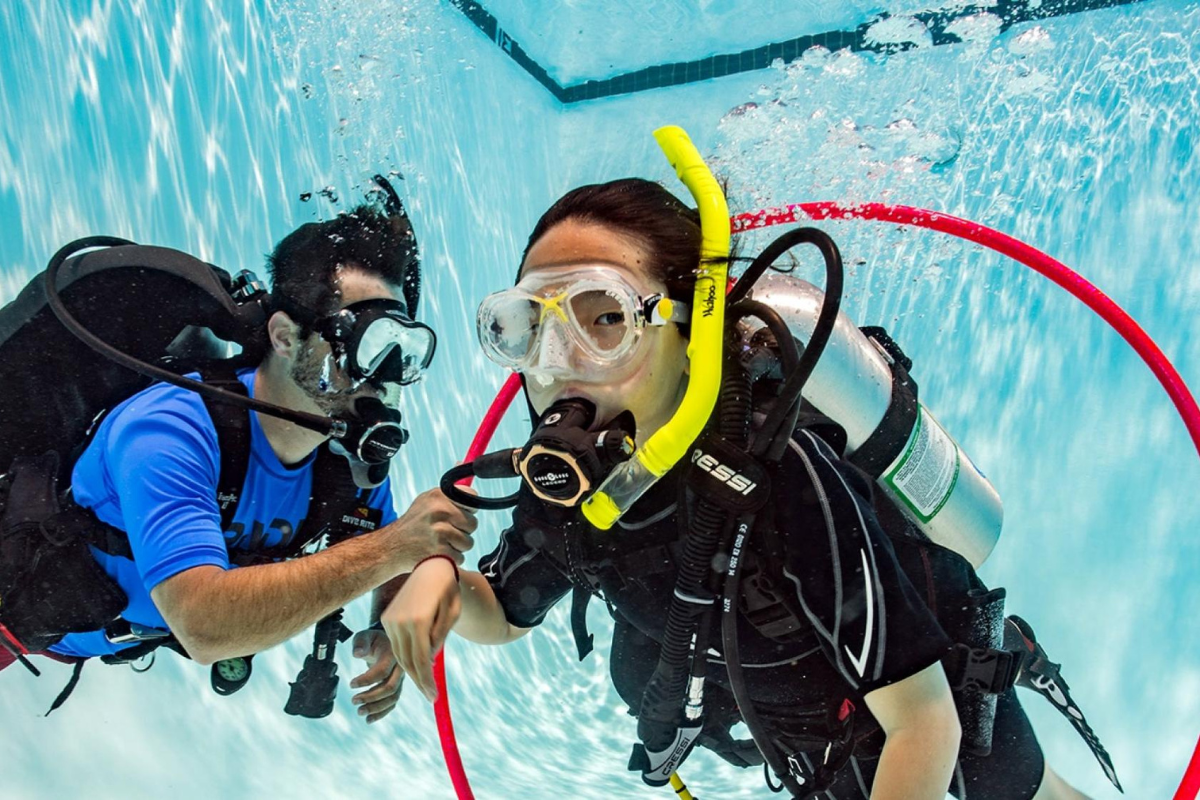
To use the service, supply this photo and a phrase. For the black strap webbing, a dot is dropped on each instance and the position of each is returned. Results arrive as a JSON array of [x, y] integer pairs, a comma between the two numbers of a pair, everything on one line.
[[584, 641], [232, 424], [885, 443], [69, 688]]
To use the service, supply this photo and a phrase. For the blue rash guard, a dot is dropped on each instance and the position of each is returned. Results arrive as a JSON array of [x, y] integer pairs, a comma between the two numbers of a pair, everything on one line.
[[152, 469]]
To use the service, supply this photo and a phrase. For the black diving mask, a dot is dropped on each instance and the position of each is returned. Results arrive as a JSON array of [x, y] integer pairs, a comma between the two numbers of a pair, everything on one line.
[[377, 341], [563, 462]]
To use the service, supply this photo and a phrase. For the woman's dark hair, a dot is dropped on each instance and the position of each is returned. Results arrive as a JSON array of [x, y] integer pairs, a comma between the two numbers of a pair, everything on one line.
[[303, 265], [644, 210]]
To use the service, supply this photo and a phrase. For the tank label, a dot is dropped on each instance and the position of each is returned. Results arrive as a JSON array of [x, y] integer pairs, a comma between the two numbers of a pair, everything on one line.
[[925, 474]]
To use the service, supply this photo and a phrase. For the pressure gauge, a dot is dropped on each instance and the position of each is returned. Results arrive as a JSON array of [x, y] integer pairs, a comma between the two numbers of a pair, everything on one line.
[[230, 674]]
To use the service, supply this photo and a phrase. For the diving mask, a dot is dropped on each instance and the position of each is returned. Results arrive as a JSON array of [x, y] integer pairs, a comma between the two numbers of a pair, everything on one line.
[[377, 341], [580, 323]]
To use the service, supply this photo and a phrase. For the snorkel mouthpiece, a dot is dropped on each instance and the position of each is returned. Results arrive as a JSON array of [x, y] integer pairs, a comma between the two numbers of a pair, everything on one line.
[[668, 444], [370, 441]]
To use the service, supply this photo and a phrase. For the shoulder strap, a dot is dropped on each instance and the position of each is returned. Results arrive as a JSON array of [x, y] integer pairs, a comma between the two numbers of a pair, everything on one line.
[[233, 438]]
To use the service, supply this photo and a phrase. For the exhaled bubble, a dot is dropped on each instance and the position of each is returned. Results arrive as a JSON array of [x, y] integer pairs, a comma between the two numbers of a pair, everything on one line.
[[977, 29], [1030, 83], [896, 32], [1035, 40], [815, 56]]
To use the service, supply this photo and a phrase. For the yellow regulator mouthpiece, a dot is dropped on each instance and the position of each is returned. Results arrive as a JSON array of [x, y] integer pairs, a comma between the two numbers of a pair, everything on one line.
[[667, 446]]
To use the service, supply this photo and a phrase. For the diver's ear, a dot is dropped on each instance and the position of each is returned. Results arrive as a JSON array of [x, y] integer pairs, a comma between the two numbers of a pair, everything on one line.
[[284, 334]]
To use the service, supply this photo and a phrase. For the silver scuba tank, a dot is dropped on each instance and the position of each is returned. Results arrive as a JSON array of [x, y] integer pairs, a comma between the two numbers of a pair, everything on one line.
[[891, 435]]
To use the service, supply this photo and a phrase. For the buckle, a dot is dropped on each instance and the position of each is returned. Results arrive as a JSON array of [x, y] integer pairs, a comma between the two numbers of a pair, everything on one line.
[[122, 632], [983, 669]]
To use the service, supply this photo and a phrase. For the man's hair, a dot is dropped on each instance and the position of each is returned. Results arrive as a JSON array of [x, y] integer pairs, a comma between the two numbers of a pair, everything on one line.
[[304, 264]]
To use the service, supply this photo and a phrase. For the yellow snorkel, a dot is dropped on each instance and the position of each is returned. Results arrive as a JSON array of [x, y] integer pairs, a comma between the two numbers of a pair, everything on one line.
[[630, 480]]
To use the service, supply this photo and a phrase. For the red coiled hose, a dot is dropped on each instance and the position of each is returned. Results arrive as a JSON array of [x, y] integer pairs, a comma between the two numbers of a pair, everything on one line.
[[441, 708]]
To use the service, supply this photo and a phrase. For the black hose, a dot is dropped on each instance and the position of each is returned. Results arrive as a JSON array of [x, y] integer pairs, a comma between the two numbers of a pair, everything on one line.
[[789, 393], [449, 487], [784, 242], [733, 663], [771, 442], [692, 601], [313, 422]]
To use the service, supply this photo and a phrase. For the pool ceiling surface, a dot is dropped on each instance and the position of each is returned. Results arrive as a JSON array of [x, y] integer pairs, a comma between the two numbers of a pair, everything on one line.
[[590, 49], [578, 40]]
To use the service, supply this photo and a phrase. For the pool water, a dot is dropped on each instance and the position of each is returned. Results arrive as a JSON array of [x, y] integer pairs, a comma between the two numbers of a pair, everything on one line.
[[201, 126]]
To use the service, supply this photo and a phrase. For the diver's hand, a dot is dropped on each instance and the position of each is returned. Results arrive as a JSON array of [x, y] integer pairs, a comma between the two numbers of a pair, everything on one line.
[[433, 525], [383, 676], [419, 618]]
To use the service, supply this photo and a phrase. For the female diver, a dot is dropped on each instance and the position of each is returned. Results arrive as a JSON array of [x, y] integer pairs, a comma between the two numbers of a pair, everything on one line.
[[850, 687]]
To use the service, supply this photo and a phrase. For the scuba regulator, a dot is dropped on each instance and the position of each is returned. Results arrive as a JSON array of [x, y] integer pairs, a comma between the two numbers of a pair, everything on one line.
[[562, 463]]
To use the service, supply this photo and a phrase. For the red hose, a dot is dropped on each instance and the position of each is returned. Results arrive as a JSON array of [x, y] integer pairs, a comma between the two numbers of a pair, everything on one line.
[[441, 708], [1056, 271], [1190, 788]]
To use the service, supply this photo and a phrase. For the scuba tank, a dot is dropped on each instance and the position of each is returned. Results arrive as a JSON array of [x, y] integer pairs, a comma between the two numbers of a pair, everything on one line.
[[862, 383]]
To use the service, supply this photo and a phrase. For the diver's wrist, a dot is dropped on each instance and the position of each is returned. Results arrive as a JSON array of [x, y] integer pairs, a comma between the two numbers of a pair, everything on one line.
[[443, 557]]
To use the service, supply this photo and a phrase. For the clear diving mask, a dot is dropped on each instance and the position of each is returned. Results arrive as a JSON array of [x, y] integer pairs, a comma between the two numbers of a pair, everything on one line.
[[576, 324]]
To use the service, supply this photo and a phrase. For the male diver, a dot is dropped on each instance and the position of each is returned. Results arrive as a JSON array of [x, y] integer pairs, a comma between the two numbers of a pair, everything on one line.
[[221, 571]]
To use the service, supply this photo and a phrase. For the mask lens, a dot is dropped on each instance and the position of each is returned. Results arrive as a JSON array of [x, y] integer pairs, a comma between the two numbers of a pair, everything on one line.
[[603, 318], [391, 352], [508, 328]]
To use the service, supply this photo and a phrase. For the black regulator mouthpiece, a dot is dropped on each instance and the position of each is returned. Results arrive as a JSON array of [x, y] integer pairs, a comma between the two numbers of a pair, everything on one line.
[[370, 441], [565, 460], [562, 463]]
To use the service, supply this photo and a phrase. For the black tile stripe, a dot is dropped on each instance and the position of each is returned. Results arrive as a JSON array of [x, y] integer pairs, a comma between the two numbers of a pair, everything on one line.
[[483, 20], [1010, 12]]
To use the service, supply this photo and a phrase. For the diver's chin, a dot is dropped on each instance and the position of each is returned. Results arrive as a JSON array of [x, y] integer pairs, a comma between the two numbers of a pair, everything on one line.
[[604, 410]]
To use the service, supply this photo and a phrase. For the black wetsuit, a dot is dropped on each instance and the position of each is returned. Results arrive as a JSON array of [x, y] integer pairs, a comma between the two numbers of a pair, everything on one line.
[[875, 607]]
